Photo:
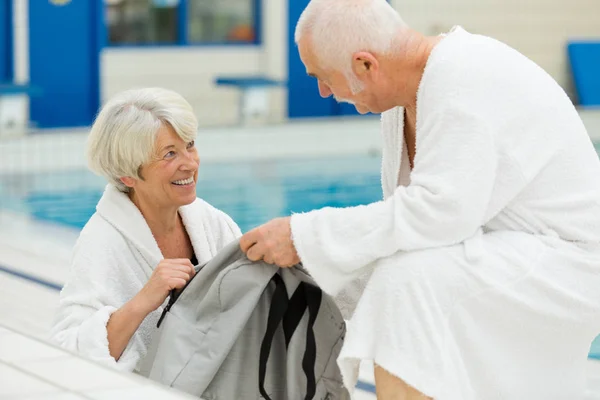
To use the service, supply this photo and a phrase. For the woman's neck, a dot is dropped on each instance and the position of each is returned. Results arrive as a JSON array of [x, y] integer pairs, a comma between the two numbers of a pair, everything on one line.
[[161, 220]]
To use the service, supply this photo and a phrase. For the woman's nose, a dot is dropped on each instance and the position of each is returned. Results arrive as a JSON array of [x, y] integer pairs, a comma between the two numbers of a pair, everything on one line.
[[192, 160]]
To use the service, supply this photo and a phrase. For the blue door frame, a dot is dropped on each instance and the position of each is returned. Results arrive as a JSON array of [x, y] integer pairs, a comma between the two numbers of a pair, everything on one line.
[[6, 40], [64, 61]]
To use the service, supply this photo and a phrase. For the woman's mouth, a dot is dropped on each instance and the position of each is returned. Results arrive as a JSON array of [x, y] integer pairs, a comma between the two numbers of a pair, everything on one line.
[[184, 182]]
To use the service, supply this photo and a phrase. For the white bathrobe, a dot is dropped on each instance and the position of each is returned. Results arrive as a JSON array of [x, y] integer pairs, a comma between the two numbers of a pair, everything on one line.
[[484, 259], [112, 260]]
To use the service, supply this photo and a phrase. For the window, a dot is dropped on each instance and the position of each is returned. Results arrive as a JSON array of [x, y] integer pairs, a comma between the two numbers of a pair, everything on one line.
[[221, 21], [181, 22], [141, 21]]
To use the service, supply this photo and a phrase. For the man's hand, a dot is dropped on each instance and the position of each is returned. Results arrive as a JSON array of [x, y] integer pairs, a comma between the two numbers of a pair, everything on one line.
[[272, 243]]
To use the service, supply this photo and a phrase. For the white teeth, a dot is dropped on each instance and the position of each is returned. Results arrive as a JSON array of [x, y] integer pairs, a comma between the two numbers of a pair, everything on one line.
[[184, 181]]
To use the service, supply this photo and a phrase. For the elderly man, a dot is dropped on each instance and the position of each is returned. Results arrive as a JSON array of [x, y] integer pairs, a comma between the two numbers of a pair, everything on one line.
[[482, 262]]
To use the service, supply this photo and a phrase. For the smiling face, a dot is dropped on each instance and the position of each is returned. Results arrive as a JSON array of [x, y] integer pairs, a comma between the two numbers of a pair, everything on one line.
[[169, 178]]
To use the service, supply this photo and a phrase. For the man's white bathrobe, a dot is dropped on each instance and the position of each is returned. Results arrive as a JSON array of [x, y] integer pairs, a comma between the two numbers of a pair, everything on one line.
[[484, 259], [112, 260]]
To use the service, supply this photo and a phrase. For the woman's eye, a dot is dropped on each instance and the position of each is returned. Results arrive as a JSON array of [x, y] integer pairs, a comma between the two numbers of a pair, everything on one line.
[[170, 154], [191, 144]]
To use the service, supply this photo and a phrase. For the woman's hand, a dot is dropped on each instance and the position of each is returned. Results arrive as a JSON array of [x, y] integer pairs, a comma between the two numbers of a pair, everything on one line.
[[168, 275]]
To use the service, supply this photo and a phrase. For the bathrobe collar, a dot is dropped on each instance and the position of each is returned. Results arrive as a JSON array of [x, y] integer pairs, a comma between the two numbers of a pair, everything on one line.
[[120, 212]]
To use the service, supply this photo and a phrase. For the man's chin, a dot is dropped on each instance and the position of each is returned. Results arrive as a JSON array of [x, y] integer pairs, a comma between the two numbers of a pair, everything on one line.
[[361, 110]]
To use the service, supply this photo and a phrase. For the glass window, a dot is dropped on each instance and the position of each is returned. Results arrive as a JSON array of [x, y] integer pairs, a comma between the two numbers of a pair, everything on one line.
[[142, 21], [157, 21], [221, 21]]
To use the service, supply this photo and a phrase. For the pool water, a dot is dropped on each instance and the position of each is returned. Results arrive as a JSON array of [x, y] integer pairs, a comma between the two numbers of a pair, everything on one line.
[[251, 193]]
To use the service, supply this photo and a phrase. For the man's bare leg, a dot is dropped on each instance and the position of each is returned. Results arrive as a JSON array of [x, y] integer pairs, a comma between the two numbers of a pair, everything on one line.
[[390, 387]]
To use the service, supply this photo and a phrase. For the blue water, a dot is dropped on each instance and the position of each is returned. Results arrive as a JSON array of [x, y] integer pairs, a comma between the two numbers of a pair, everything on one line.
[[251, 193]]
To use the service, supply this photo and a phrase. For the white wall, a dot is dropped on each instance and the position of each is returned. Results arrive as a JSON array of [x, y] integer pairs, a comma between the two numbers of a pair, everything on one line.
[[539, 29], [192, 70], [21, 41]]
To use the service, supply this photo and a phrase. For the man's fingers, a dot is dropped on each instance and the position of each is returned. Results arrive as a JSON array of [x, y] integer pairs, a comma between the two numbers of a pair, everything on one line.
[[247, 241], [268, 259], [255, 253]]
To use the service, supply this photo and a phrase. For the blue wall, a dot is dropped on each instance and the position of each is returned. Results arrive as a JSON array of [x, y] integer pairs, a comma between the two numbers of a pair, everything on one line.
[[6, 37], [303, 94], [584, 57], [64, 51]]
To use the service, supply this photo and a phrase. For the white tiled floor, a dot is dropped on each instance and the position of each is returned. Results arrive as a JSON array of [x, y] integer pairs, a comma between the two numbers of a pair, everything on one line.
[[60, 396], [18, 349], [33, 369]]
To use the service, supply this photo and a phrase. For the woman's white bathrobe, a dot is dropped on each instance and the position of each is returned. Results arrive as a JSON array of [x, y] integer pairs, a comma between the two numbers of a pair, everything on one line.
[[484, 260], [112, 260]]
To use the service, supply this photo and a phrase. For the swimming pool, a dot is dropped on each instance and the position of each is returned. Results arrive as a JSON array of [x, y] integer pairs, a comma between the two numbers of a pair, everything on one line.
[[250, 192]]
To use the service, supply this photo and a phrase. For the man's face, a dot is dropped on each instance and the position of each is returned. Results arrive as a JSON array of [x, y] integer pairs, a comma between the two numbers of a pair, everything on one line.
[[331, 82]]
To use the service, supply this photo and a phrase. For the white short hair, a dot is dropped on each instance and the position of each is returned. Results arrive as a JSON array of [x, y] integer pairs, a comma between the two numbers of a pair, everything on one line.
[[123, 136], [339, 28]]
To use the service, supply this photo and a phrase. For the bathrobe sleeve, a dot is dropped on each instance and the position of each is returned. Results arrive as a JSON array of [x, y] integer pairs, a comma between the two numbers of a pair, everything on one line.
[[451, 184], [97, 288]]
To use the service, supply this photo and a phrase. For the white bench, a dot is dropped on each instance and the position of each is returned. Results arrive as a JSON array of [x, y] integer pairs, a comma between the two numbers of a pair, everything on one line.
[[254, 96], [14, 108]]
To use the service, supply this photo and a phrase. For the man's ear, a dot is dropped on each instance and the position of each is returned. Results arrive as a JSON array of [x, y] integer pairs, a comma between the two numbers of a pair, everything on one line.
[[364, 63]]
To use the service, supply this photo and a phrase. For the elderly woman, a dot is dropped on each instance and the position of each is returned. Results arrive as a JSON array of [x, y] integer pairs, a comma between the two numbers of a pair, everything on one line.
[[148, 232]]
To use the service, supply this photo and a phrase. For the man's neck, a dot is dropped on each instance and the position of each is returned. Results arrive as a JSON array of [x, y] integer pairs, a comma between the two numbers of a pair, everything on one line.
[[411, 61]]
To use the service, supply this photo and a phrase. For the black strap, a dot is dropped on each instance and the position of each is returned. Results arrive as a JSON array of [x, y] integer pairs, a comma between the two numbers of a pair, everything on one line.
[[279, 305], [296, 308], [313, 296], [290, 313]]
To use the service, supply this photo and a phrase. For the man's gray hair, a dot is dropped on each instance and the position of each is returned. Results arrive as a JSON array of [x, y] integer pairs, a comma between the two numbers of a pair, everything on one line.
[[123, 136], [340, 28]]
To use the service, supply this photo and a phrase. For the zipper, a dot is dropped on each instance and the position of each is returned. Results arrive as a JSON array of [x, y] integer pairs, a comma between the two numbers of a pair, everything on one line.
[[173, 298]]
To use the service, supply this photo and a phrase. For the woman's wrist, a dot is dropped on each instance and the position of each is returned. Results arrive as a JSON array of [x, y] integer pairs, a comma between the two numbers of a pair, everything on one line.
[[138, 307]]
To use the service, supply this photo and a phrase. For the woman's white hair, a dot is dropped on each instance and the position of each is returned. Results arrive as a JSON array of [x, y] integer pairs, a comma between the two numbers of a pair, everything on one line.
[[340, 28], [123, 136]]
